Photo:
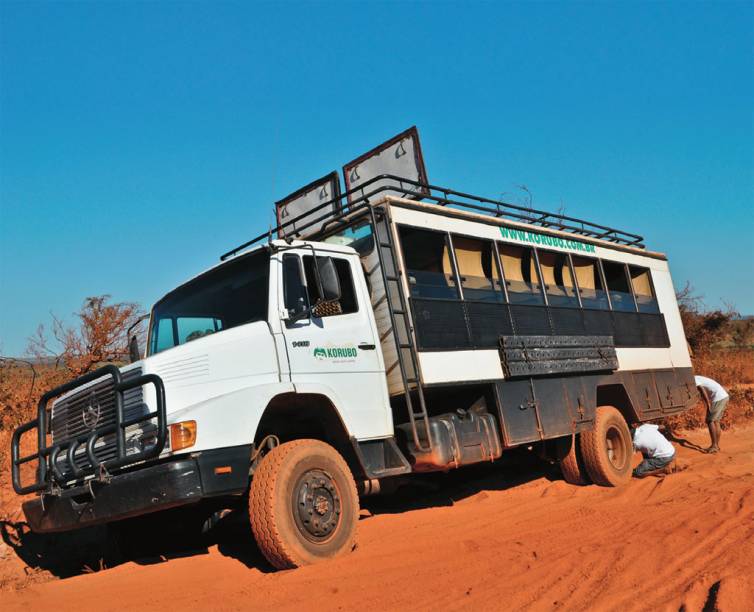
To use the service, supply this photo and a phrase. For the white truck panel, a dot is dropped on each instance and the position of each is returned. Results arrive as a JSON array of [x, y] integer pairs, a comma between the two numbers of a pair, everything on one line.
[[643, 358], [460, 366], [230, 419]]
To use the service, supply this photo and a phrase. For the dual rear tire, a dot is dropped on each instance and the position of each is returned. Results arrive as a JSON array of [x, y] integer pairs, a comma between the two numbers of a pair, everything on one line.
[[601, 455]]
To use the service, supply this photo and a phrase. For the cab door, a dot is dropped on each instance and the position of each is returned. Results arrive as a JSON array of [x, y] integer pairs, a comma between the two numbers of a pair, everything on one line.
[[334, 350]]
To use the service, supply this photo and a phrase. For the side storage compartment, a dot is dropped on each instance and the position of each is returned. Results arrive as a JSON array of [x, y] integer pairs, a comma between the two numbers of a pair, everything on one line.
[[459, 438]]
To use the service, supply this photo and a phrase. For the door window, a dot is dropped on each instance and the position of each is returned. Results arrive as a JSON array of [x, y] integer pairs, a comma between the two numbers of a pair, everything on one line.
[[294, 290], [348, 303]]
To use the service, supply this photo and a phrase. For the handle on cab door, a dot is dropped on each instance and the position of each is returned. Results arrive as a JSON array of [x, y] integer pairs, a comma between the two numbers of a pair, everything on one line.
[[366, 347]]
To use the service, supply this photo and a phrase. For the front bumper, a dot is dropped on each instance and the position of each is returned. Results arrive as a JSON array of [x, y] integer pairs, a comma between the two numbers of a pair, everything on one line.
[[150, 489]]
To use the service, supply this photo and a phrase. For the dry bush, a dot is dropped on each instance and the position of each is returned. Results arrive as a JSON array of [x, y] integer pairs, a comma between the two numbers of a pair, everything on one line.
[[734, 370], [740, 410], [720, 343], [101, 336]]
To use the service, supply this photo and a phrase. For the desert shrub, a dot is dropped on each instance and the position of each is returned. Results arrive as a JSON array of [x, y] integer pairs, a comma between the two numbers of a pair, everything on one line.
[[101, 336], [705, 330]]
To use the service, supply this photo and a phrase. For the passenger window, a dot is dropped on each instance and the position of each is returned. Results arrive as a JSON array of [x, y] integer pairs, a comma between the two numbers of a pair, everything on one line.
[[294, 291], [617, 285], [642, 284], [558, 280], [477, 269], [347, 303], [428, 264], [590, 283], [520, 272]]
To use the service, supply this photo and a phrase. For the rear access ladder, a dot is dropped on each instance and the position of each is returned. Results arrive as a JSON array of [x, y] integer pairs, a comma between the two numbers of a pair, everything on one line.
[[400, 324]]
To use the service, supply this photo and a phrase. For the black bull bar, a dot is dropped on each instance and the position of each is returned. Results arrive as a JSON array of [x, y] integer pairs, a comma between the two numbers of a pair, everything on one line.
[[48, 470]]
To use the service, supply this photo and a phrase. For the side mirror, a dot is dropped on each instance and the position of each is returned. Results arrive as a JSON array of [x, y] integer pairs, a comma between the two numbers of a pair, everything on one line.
[[133, 349], [328, 277], [133, 343]]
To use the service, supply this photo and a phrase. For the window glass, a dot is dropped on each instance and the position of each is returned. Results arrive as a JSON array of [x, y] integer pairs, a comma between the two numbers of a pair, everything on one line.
[[193, 328], [558, 280], [590, 282], [162, 336], [428, 264], [642, 284], [617, 285], [359, 237], [347, 302], [232, 294], [477, 269], [294, 291], [520, 272]]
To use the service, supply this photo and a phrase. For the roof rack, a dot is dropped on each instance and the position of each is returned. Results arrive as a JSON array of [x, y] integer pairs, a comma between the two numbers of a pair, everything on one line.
[[350, 203]]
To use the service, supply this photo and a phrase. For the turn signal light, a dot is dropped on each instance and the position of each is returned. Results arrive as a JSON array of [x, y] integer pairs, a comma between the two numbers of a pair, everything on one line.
[[182, 435]]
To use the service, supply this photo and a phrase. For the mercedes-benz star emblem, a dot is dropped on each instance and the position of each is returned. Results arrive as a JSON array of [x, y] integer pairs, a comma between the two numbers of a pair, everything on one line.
[[91, 414]]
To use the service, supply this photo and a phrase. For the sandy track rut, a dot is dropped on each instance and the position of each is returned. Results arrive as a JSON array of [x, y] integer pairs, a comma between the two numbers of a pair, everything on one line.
[[686, 540]]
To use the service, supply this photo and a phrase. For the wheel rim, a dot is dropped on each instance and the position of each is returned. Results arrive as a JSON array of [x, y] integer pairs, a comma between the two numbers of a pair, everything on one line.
[[317, 506], [616, 448]]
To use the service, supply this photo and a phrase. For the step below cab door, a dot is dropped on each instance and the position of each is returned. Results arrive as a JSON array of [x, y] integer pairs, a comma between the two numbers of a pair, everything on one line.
[[332, 347]]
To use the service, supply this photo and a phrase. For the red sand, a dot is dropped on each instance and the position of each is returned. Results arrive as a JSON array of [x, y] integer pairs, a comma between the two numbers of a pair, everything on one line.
[[686, 540]]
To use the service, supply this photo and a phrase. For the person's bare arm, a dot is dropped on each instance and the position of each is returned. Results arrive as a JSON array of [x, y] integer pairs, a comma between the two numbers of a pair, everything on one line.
[[705, 397]]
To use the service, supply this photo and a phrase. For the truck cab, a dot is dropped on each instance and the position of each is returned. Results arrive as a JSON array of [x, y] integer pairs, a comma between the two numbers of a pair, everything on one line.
[[256, 327]]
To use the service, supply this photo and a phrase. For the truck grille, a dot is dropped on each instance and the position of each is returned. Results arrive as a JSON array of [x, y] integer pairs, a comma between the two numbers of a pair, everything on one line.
[[94, 407]]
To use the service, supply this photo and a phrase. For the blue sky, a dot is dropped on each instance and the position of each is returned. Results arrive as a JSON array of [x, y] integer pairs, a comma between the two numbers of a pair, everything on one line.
[[139, 141]]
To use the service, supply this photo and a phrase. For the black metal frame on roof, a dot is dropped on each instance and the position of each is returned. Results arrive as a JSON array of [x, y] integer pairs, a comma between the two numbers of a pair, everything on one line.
[[442, 196]]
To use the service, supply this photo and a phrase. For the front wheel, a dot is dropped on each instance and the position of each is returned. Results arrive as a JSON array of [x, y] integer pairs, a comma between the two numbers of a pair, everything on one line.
[[303, 504], [607, 449]]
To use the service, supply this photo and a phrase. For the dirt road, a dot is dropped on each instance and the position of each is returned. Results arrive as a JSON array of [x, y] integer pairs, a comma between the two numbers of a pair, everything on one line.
[[486, 541]]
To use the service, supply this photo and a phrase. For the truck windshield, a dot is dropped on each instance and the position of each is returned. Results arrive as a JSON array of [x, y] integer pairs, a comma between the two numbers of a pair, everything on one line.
[[225, 297]]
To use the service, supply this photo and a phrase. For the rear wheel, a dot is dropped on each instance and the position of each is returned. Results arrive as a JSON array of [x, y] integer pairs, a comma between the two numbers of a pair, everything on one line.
[[572, 465], [303, 504], [607, 449]]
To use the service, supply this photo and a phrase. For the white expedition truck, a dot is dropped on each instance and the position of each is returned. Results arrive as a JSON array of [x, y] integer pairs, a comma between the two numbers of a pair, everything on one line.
[[412, 333]]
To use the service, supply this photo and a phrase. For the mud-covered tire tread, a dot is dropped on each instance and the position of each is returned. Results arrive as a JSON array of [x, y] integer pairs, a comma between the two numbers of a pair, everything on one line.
[[594, 454], [262, 507], [572, 465]]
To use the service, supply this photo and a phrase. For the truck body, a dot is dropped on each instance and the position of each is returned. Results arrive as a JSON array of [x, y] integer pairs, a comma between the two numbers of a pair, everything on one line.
[[406, 334]]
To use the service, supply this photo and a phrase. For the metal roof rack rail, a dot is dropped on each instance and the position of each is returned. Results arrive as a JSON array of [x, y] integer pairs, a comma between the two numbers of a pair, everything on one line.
[[351, 202]]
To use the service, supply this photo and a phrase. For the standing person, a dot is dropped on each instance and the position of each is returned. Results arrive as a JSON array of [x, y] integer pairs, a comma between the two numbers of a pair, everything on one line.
[[715, 399], [657, 451]]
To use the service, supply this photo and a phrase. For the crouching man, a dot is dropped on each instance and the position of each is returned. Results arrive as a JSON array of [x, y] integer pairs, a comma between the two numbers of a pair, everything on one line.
[[657, 451]]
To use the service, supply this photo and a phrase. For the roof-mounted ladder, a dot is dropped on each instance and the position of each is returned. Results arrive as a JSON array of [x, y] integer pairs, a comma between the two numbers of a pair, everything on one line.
[[400, 323]]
